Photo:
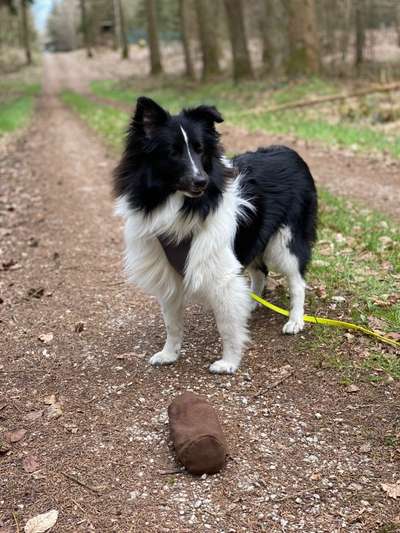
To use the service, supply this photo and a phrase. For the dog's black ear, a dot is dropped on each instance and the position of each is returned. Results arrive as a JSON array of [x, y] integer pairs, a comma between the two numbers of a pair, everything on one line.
[[148, 117], [206, 113]]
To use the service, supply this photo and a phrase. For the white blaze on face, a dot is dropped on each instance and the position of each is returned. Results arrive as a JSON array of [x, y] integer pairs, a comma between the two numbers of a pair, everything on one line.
[[194, 168]]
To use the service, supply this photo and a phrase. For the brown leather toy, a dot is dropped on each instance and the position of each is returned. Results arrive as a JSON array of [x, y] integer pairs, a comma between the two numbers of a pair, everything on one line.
[[197, 435]]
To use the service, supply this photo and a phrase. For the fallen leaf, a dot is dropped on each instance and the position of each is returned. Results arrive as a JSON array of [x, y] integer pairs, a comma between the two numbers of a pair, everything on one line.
[[4, 447], [393, 335], [352, 388], [376, 323], [50, 400], [15, 436], [30, 464], [54, 411], [392, 489], [6, 530], [34, 415], [41, 522], [46, 337], [3, 405]]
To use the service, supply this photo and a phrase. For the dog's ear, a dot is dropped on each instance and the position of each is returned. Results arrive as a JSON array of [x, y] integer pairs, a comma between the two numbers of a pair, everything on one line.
[[205, 113], [148, 117]]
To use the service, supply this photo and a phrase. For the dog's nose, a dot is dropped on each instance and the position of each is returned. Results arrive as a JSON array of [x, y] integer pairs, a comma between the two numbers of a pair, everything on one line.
[[200, 181]]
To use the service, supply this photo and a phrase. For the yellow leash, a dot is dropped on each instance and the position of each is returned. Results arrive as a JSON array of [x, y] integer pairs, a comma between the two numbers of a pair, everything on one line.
[[327, 321]]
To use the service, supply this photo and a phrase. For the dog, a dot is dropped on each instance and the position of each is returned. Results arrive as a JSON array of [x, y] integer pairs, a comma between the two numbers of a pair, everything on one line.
[[195, 222]]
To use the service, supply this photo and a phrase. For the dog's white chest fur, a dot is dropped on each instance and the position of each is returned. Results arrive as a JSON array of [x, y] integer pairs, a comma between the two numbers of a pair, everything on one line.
[[211, 250]]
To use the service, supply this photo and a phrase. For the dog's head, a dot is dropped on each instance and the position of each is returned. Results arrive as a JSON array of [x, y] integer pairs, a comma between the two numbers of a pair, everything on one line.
[[178, 152]]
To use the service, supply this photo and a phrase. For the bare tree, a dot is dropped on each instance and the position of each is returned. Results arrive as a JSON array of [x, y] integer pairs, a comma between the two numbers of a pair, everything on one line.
[[85, 29], [397, 20], [120, 28], [273, 26], [304, 52], [208, 38], [154, 42], [360, 32], [25, 30], [242, 68], [184, 24], [345, 28]]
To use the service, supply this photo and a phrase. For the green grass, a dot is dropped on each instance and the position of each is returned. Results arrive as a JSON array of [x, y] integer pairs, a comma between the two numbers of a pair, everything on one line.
[[109, 122], [236, 101], [340, 134], [16, 105]]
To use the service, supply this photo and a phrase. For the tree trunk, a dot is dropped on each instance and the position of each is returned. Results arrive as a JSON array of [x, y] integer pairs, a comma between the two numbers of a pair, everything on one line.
[[304, 52], [345, 29], [208, 38], [25, 32], [122, 31], [154, 43], [183, 16], [85, 29], [242, 68], [360, 33], [116, 32], [397, 21], [273, 22]]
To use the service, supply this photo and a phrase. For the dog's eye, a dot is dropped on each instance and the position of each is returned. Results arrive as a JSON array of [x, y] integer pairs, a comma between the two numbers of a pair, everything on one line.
[[197, 147]]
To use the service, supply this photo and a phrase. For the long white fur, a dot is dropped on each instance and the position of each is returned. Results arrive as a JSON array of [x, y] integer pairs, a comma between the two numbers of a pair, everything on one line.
[[213, 275]]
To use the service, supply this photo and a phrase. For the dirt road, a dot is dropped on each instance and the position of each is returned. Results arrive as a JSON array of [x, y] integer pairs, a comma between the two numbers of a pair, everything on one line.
[[305, 454]]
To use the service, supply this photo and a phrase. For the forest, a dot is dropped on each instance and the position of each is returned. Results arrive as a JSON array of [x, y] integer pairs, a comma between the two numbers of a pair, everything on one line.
[[311, 420]]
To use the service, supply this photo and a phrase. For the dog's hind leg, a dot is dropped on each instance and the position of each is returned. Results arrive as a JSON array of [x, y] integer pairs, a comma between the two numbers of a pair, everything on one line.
[[258, 280], [297, 295], [172, 310]]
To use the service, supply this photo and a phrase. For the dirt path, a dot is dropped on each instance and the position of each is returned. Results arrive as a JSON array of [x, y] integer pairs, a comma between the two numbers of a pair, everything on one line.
[[305, 454]]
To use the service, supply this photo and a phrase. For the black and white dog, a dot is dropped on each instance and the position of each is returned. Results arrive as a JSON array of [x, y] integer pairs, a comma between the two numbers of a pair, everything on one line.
[[195, 220]]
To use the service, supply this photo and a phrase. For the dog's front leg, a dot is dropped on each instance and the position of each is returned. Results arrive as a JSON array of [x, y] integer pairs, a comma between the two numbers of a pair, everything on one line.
[[172, 310], [232, 306]]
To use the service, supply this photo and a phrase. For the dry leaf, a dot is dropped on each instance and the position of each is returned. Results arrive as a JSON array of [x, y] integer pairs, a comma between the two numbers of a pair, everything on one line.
[[393, 335], [54, 411], [41, 522], [50, 400], [30, 464], [391, 489], [4, 447], [3, 405], [376, 323], [34, 415], [15, 436], [352, 388], [46, 337]]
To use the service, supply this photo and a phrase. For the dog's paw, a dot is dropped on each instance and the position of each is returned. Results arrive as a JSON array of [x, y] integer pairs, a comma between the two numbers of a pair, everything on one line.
[[254, 305], [223, 367], [293, 326], [163, 358]]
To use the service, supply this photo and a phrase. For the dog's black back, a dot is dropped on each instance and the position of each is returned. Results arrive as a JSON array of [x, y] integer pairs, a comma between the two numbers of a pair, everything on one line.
[[279, 184]]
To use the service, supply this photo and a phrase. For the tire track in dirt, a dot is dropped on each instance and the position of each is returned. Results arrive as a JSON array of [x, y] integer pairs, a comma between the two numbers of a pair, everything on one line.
[[296, 449]]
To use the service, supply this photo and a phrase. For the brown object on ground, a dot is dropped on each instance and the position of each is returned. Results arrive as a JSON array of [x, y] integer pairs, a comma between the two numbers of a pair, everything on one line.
[[197, 435]]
